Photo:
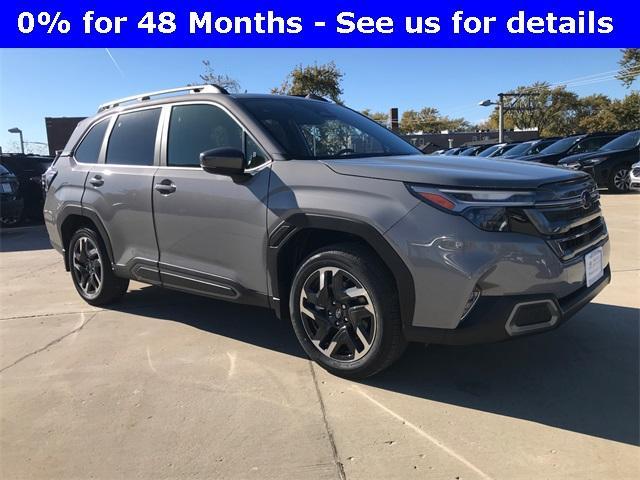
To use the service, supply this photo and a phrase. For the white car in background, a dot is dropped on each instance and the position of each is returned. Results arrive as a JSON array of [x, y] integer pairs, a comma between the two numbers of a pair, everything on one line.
[[634, 175]]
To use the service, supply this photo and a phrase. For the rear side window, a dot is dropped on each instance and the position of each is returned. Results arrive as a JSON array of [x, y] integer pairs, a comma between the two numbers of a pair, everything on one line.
[[89, 149], [133, 138], [194, 129], [590, 144]]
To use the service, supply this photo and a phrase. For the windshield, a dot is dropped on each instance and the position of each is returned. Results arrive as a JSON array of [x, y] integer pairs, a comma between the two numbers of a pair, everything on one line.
[[623, 142], [560, 146], [468, 151], [309, 129], [521, 149], [489, 151]]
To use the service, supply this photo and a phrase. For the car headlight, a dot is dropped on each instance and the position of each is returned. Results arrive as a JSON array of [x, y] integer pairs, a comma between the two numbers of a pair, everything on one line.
[[594, 161], [486, 209]]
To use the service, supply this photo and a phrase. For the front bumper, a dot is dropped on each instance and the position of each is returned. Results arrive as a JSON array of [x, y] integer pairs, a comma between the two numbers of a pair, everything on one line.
[[495, 319], [449, 258]]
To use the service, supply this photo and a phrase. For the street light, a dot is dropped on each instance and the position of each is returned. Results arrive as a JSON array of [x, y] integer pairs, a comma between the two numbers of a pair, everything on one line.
[[17, 130], [512, 106], [500, 104]]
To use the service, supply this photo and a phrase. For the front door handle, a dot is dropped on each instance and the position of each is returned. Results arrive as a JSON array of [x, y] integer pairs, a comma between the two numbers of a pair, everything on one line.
[[97, 181], [165, 187]]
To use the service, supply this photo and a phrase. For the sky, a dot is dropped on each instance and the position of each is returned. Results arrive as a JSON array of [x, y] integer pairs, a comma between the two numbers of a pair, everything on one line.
[[72, 82]]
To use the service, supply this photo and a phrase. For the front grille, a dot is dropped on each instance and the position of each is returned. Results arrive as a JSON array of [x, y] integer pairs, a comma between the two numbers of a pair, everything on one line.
[[568, 217], [579, 239]]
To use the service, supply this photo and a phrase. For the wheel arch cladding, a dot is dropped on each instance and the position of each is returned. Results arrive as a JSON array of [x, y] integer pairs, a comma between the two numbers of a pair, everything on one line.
[[300, 234], [74, 218]]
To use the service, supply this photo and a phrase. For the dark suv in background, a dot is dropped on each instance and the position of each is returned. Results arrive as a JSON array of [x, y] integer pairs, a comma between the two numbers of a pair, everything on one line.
[[28, 170], [11, 204], [584, 143], [326, 217], [610, 164]]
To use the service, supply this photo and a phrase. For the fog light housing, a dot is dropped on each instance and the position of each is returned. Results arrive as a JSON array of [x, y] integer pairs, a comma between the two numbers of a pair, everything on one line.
[[471, 301]]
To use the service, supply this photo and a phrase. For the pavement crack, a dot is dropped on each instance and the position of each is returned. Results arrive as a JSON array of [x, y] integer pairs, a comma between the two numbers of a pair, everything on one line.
[[44, 315], [334, 450], [50, 344]]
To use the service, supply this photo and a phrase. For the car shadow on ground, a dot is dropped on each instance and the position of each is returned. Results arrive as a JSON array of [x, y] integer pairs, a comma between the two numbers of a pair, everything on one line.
[[24, 238], [583, 377]]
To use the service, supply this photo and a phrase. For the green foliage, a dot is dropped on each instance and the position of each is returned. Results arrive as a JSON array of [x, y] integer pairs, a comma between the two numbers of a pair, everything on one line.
[[555, 111], [429, 120], [629, 66], [323, 80], [380, 117]]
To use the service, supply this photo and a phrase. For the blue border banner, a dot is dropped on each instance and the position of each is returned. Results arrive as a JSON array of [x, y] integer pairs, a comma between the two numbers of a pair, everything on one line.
[[329, 23]]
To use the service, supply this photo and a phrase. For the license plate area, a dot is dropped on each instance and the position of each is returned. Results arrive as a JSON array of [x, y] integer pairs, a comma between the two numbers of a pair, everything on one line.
[[593, 266]]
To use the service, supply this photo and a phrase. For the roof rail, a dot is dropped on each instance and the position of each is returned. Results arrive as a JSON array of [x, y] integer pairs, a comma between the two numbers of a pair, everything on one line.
[[147, 96]]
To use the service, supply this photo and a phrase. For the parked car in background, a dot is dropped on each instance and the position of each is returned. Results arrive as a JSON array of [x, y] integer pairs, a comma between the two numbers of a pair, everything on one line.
[[454, 151], [475, 150], [634, 176], [531, 147], [488, 152], [498, 150], [574, 144], [28, 169], [610, 165], [10, 203]]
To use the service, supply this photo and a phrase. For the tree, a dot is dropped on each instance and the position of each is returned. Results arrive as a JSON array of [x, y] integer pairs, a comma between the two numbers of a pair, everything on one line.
[[323, 80], [380, 117], [627, 111], [211, 77], [595, 114], [429, 120], [629, 66], [553, 111]]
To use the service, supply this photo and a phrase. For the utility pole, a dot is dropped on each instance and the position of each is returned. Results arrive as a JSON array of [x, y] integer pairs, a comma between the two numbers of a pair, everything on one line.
[[500, 117]]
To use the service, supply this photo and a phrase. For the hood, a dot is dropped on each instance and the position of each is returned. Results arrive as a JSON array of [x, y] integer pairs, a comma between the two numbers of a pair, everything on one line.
[[580, 157], [454, 171]]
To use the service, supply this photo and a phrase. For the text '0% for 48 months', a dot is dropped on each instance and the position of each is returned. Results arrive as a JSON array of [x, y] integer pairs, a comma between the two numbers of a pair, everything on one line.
[[27, 22]]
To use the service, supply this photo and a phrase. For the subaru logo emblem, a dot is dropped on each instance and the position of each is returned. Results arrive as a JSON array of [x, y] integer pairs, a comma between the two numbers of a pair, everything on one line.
[[585, 199]]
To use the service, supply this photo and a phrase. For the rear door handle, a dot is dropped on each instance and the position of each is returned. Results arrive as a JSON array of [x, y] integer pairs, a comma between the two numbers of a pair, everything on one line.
[[97, 181], [165, 187]]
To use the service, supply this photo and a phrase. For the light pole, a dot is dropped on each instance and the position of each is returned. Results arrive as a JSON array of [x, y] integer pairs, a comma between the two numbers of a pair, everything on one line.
[[500, 104], [17, 130]]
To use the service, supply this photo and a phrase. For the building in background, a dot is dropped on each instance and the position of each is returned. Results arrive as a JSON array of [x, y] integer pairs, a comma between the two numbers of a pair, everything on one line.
[[59, 129]]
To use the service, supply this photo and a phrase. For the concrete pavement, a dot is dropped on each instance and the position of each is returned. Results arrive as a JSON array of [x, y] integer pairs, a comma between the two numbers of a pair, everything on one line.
[[167, 385]]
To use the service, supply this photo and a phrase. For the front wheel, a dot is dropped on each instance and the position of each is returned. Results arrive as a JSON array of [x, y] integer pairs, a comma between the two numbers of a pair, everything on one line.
[[345, 311], [620, 180], [91, 271]]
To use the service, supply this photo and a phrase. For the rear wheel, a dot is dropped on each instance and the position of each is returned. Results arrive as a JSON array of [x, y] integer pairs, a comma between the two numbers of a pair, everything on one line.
[[620, 179], [345, 311], [91, 271]]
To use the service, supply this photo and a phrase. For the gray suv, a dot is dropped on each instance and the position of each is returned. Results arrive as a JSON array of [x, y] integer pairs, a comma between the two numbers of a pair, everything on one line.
[[331, 220]]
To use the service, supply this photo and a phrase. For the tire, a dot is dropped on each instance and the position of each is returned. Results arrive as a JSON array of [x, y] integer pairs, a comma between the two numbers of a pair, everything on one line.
[[91, 270], [14, 220], [619, 180], [351, 327]]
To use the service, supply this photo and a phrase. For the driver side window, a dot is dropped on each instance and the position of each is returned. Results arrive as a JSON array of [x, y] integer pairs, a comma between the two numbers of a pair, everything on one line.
[[194, 129]]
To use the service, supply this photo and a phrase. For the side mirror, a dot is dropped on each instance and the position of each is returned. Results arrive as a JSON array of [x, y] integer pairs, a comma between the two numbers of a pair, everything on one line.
[[226, 161]]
